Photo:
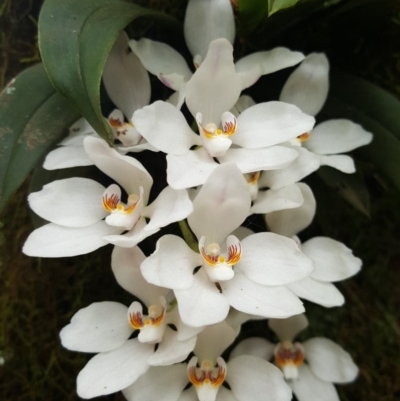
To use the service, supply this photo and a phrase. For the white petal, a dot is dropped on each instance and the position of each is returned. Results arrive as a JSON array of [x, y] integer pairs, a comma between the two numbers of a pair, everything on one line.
[[72, 202], [287, 329], [165, 127], [125, 170], [125, 263], [222, 204], [337, 136], [175, 82], [66, 157], [115, 370], [270, 123], [343, 163], [202, 304], [206, 20], [189, 170], [170, 350], [333, 261], [159, 58], [177, 98], [172, 263], [53, 241], [132, 237], [271, 259], [77, 131], [251, 376], [329, 362], [249, 297], [325, 294], [215, 87], [270, 60], [289, 222], [289, 197], [125, 79], [100, 327], [251, 76], [143, 145], [184, 331], [243, 103], [255, 346], [159, 383], [213, 341], [306, 163], [250, 160], [309, 388], [307, 87], [170, 206]]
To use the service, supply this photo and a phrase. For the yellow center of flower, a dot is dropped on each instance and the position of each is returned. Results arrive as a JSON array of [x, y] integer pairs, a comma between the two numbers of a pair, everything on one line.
[[252, 178], [111, 203], [304, 137], [212, 131], [155, 317], [289, 357], [212, 255], [121, 127], [207, 374]]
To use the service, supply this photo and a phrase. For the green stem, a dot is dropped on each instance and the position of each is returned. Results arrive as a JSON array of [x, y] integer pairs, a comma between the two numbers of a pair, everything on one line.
[[188, 236]]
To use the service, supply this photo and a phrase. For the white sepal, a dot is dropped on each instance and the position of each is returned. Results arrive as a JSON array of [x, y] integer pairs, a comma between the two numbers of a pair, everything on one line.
[[251, 375], [115, 370], [158, 383], [287, 329], [255, 299], [329, 362], [100, 327], [308, 85], [172, 264]]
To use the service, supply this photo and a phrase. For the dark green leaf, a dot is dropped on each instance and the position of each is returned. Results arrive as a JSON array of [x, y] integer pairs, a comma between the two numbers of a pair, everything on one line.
[[350, 187], [377, 111], [277, 5], [75, 37], [251, 13], [33, 117]]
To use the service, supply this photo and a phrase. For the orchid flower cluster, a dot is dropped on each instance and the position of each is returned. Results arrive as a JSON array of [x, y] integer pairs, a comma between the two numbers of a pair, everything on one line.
[[190, 300]]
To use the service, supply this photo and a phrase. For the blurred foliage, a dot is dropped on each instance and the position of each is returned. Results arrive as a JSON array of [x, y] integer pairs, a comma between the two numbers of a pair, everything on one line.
[[33, 118], [39, 296]]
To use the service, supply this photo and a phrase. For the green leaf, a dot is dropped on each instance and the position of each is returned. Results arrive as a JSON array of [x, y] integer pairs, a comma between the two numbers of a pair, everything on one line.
[[277, 5], [75, 37], [33, 117], [350, 187], [251, 13], [377, 111]]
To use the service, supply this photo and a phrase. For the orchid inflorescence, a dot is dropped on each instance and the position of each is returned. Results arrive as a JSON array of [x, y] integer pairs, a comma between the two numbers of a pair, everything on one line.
[[244, 159]]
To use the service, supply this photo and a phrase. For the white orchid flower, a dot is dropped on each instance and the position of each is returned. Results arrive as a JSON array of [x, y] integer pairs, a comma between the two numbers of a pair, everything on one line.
[[105, 328], [333, 261], [128, 86], [247, 376], [263, 263], [206, 21], [307, 88], [213, 90], [76, 208], [310, 368]]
